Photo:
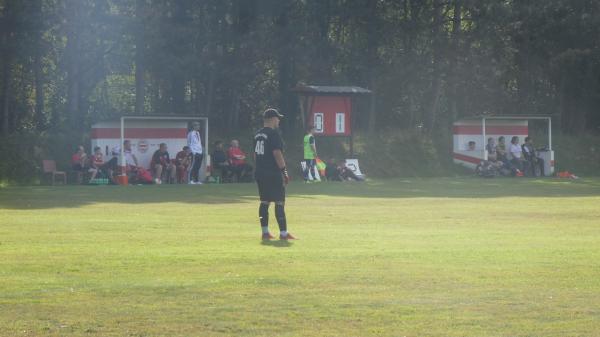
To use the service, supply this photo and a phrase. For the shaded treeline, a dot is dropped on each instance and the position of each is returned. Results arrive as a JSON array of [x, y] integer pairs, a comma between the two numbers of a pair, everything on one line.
[[67, 63]]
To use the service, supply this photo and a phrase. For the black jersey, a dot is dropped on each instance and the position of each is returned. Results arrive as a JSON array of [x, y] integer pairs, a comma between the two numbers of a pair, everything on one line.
[[266, 141]]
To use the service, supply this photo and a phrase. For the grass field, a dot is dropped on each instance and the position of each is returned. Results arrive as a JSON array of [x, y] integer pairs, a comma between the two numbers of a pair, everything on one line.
[[432, 257]]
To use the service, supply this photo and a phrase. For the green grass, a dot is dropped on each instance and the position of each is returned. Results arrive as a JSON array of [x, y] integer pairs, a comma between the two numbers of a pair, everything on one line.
[[431, 257]]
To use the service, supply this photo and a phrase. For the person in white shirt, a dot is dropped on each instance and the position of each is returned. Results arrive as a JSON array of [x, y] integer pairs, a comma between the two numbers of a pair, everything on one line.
[[130, 158], [516, 153], [195, 143]]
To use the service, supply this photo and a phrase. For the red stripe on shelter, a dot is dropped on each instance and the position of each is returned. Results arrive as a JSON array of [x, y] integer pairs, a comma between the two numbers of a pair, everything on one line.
[[115, 133], [490, 130], [469, 159]]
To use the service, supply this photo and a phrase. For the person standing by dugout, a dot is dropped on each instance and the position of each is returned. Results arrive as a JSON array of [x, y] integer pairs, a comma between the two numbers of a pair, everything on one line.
[[195, 143], [310, 155], [271, 174]]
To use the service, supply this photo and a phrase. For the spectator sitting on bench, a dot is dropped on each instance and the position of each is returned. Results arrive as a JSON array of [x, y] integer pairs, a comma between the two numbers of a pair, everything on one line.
[[516, 152], [531, 157], [161, 165], [501, 154], [491, 149], [237, 160], [96, 163], [183, 160], [220, 161], [131, 163], [79, 163]]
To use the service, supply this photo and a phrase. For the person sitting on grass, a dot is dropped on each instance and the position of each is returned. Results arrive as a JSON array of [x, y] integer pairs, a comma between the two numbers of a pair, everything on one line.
[[340, 172], [347, 174], [332, 171]]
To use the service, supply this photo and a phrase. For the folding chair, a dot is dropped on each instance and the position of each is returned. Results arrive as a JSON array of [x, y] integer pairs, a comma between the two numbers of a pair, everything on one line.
[[49, 167]]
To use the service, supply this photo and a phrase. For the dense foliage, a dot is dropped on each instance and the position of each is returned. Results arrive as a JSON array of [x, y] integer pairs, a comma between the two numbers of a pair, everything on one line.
[[67, 63]]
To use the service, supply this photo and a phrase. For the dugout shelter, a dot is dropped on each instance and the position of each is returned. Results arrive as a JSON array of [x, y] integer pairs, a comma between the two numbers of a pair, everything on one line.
[[146, 133], [479, 128]]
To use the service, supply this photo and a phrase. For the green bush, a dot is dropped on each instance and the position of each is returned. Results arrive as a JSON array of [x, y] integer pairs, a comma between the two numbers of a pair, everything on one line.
[[577, 154], [26, 151], [386, 154]]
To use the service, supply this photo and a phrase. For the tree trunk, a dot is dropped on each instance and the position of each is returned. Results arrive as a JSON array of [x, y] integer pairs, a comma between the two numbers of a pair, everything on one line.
[[234, 110], [372, 45], [7, 55], [454, 61], [177, 93], [436, 80], [74, 63], [285, 71], [6, 76], [38, 71], [210, 89], [140, 81], [285, 80]]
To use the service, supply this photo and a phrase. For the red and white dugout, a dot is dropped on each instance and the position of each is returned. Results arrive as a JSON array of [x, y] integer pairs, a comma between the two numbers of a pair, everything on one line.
[[145, 134], [480, 128]]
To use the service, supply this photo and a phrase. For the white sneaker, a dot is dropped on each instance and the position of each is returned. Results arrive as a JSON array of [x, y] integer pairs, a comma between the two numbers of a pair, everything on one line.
[[157, 181], [191, 183]]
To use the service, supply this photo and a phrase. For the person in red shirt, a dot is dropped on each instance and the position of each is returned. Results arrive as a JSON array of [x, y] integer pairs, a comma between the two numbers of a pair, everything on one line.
[[79, 159], [183, 160], [237, 161], [96, 163]]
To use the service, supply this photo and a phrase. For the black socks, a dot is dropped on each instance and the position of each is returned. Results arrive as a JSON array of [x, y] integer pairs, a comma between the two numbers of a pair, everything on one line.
[[263, 214], [280, 215]]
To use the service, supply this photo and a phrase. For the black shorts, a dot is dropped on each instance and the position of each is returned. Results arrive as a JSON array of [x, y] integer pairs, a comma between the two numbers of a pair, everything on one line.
[[270, 186]]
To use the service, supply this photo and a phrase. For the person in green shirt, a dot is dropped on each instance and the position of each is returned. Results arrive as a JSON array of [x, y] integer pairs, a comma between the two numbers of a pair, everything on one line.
[[310, 154]]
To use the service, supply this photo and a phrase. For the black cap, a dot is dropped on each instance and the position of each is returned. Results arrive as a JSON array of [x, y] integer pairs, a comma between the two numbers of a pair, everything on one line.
[[270, 113]]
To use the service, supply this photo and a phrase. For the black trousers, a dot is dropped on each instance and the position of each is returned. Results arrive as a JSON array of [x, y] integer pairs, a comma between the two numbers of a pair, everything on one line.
[[536, 162], [196, 164]]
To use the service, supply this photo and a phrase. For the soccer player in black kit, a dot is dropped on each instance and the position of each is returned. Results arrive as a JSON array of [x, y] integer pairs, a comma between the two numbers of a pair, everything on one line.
[[271, 174]]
